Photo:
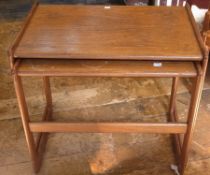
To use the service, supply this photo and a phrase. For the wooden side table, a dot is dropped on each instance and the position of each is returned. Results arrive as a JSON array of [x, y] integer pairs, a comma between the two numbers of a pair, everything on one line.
[[104, 41]]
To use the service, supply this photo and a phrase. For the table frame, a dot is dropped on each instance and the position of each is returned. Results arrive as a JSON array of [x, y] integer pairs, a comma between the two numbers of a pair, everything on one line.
[[37, 147]]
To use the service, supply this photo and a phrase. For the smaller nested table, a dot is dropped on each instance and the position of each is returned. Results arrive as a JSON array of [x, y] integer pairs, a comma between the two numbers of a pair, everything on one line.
[[104, 41]]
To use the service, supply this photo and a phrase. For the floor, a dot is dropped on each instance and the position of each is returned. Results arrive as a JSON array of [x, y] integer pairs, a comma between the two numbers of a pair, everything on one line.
[[94, 99]]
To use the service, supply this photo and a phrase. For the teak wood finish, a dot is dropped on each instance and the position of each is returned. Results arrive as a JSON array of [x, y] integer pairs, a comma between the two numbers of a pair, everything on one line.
[[66, 40], [115, 33]]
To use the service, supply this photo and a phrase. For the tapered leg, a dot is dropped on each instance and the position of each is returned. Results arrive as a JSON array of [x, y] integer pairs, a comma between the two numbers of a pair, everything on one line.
[[48, 94], [42, 137], [191, 121], [173, 117], [25, 121], [172, 107]]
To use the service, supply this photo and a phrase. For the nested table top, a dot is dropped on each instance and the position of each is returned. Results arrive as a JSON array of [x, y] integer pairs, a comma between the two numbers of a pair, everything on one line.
[[119, 32]]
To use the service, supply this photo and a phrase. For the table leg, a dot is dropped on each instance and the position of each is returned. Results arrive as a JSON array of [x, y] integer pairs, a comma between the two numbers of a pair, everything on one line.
[[172, 107], [48, 94], [42, 137], [173, 117], [191, 121], [25, 121]]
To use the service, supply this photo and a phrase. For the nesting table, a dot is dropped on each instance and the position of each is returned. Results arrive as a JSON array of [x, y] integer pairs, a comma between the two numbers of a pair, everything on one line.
[[109, 41]]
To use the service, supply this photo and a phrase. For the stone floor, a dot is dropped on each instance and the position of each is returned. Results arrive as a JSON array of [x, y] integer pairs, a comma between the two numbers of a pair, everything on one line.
[[94, 99]]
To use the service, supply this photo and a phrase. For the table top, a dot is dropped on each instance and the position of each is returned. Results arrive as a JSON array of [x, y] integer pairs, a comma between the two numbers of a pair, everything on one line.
[[118, 32]]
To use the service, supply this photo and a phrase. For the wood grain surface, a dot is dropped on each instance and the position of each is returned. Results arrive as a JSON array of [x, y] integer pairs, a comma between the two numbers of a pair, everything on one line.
[[119, 32]]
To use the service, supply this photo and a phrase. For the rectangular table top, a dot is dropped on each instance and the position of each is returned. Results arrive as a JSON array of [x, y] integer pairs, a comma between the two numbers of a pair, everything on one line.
[[118, 32]]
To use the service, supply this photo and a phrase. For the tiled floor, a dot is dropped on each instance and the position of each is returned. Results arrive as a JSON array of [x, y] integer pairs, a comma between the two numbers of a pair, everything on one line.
[[94, 99]]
